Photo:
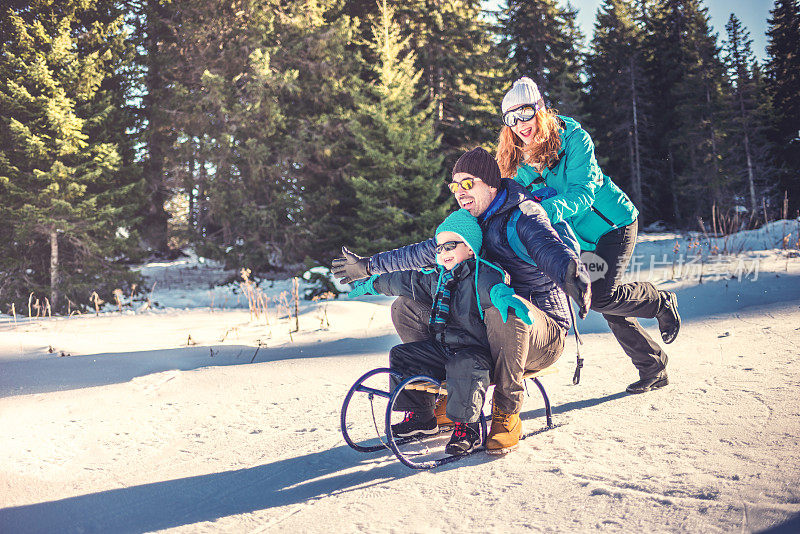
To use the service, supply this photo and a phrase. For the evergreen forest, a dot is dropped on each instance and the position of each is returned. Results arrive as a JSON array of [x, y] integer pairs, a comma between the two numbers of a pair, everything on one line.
[[267, 133]]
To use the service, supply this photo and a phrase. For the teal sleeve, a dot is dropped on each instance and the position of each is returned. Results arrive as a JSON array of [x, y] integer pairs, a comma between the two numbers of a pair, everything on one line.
[[583, 179], [363, 287]]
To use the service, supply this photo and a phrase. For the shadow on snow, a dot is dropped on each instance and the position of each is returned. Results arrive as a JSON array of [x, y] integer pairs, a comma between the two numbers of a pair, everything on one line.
[[45, 374], [185, 501]]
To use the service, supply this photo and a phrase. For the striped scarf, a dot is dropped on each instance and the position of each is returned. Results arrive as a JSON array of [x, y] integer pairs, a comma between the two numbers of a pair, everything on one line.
[[441, 305]]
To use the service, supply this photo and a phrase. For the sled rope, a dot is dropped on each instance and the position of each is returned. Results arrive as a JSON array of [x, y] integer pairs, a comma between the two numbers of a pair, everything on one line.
[[576, 378]]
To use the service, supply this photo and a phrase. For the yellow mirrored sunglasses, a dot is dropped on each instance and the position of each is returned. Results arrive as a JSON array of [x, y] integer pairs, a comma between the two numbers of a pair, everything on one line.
[[466, 184]]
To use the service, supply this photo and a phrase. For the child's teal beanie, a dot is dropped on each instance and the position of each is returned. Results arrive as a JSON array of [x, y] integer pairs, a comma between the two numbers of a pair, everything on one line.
[[462, 222]]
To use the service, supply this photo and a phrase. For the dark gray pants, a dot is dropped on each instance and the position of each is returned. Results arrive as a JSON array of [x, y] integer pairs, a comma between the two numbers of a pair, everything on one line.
[[466, 371], [620, 303], [515, 346]]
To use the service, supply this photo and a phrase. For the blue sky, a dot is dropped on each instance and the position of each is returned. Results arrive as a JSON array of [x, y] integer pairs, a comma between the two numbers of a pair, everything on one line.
[[752, 13]]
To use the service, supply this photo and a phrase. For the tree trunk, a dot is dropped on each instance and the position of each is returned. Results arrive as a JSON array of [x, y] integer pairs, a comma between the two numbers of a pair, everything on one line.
[[202, 204], [750, 174], [191, 219], [713, 136], [632, 161], [154, 227], [636, 167], [676, 209], [750, 177], [53, 268], [439, 97]]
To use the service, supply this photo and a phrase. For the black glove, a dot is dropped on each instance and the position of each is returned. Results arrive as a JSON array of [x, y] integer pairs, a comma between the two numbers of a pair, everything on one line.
[[578, 286], [350, 267]]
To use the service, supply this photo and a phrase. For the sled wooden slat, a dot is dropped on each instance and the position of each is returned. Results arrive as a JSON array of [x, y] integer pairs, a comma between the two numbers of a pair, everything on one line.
[[433, 388]]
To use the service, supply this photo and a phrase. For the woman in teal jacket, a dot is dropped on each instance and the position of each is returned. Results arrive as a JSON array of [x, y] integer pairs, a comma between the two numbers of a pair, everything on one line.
[[538, 148]]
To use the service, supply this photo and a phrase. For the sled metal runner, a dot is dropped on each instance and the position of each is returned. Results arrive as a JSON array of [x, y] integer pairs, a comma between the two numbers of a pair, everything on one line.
[[419, 383]]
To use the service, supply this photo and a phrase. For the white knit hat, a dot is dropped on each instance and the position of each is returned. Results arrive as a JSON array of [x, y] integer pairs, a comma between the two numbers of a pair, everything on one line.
[[524, 91]]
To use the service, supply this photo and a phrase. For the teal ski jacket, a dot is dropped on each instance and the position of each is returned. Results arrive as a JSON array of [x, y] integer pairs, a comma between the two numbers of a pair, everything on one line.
[[587, 199]]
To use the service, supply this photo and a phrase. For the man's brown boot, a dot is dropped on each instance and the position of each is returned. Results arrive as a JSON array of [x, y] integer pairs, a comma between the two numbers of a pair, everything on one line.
[[440, 411], [504, 434]]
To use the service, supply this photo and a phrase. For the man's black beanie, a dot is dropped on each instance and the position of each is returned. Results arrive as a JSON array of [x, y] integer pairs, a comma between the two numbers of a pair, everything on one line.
[[480, 164]]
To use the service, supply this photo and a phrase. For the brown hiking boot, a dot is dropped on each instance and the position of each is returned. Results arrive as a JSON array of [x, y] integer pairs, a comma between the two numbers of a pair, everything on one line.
[[440, 411], [504, 434]]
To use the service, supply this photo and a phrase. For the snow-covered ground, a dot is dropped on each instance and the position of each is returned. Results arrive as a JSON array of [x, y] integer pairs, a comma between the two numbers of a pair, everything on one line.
[[197, 419]]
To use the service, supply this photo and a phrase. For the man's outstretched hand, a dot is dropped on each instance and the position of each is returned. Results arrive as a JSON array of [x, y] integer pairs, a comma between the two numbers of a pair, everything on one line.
[[578, 286], [350, 267]]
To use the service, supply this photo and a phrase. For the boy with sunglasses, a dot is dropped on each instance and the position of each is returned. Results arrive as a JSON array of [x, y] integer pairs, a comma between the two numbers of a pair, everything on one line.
[[458, 294]]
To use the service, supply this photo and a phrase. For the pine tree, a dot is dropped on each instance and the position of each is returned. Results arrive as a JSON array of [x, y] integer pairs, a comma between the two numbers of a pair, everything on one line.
[[146, 124], [150, 21], [396, 159], [116, 94], [227, 161], [543, 42], [783, 86], [319, 106], [464, 73], [454, 48], [617, 98], [748, 114], [259, 97], [62, 203], [566, 86], [688, 82]]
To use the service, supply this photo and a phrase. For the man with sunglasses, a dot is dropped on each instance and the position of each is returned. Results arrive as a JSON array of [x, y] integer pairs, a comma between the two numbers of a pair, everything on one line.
[[542, 269]]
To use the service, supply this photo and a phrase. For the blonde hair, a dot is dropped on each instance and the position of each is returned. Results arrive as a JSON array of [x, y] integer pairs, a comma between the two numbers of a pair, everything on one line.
[[542, 151]]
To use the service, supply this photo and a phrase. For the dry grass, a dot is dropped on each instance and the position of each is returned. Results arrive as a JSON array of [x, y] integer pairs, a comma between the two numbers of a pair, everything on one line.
[[257, 301], [296, 302], [95, 299], [322, 309], [118, 299]]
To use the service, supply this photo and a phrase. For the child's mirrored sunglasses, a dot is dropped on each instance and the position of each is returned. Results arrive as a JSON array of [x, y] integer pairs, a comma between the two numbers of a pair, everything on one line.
[[525, 113], [465, 184], [447, 246]]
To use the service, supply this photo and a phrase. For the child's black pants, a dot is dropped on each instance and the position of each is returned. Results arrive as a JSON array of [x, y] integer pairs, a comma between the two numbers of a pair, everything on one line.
[[465, 369]]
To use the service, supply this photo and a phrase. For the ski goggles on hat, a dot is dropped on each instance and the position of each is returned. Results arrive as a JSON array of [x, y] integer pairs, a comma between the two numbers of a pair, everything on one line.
[[524, 114], [466, 184], [447, 246]]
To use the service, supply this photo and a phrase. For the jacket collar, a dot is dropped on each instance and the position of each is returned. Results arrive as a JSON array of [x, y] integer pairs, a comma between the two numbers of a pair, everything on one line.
[[497, 203], [510, 196], [462, 270]]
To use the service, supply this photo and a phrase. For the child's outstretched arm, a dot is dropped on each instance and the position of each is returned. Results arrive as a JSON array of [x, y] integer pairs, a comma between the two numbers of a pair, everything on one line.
[[350, 266], [413, 284]]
